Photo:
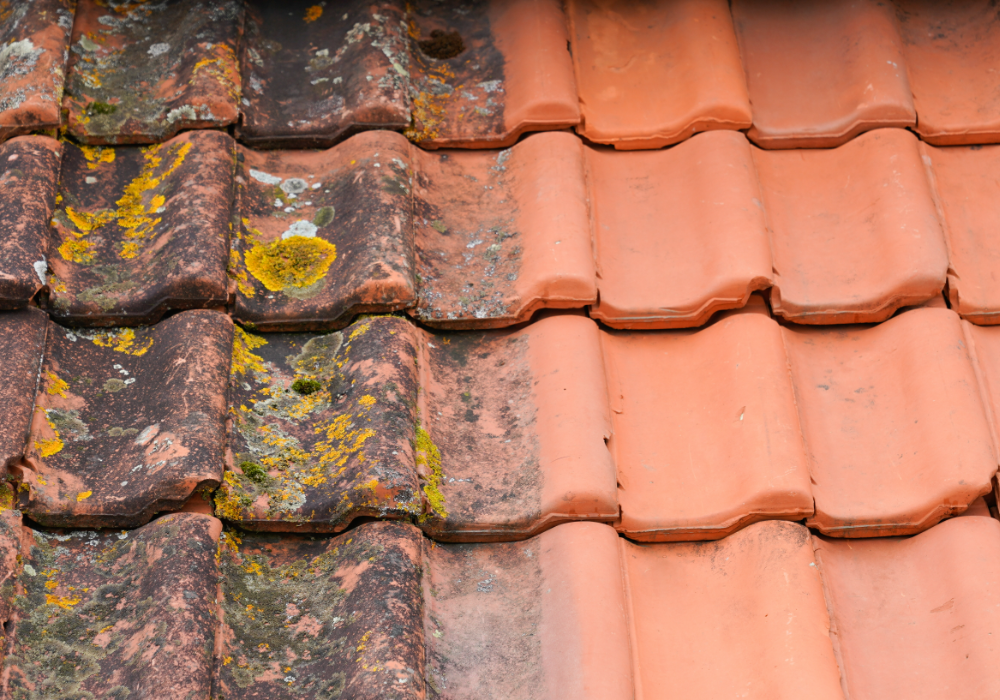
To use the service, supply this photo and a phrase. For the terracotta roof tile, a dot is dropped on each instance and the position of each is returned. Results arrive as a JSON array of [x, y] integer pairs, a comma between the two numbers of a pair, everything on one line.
[[29, 170], [34, 37], [652, 74], [22, 342], [127, 422], [140, 72]]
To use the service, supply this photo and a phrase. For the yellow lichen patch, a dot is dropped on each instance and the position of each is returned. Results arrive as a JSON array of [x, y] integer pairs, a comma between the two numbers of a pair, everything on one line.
[[6, 498], [343, 439], [367, 401], [239, 274], [96, 155], [313, 13], [64, 602], [56, 386], [50, 446], [229, 505], [291, 262], [221, 67], [244, 359], [84, 495], [428, 459], [429, 107], [123, 341]]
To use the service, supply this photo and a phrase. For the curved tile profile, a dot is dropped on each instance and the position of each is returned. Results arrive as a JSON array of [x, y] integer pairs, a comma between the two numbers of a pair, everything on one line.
[[916, 617], [22, 343], [140, 231], [984, 346], [821, 72], [485, 72], [502, 234], [29, 171], [321, 617], [111, 615], [725, 449], [322, 428], [652, 74], [514, 424], [679, 233], [314, 74], [324, 235], [854, 231], [951, 51], [127, 422], [142, 72], [893, 421], [34, 38]]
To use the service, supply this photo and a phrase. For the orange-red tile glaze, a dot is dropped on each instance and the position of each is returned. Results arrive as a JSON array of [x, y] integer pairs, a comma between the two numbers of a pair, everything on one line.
[[324, 235], [951, 51], [140, 231], [893, 420], [985, 345], [742, 617], [917, 617], [500, 234], [513, 428], [706, 433], [115, 614], [545, 618], [29, 172], [679, 233], [821, 72], [34, 38], [22, 342], [314, 74], [652, 74], [964, 180], [127, 422], [142, 72], [513, 75], [854, 231]]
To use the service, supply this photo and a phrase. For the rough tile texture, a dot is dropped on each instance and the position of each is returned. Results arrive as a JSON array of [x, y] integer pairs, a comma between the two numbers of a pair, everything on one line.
[[142, 72], [116, 615], [322, 428], [29, 171], [321, 618], [22, 342], [34, 37], [314, 74], [128, 422], [139, 231]]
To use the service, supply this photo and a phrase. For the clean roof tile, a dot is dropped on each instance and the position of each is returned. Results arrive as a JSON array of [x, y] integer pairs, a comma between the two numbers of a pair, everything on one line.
[[34, 38], [855, 234], [22, 342], [127, 422], [29, 171], [142, 72], [916, 617], [893, 420], [140, 231], [652, 74]]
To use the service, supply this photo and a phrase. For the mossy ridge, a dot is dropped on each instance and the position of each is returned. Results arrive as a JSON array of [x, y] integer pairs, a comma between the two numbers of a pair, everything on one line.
[[428, 460]]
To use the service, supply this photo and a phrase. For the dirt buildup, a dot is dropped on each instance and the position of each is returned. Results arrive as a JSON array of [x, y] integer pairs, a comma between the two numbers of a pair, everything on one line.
[[442, 45]]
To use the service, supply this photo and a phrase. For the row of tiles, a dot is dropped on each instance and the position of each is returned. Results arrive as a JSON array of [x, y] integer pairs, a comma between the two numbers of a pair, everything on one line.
[[464, 239], [671, 435], [482, 72], [181, 609]]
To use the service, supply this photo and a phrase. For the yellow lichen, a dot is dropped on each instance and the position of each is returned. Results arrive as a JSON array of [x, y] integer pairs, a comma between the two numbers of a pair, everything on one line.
[[84, 495], [56, 386], [96, 155], [239, 273], [313, 13], [228, 505], [428, 459], [123, 340], [290, 262], [49, 446], [64, 602], [244, 359]]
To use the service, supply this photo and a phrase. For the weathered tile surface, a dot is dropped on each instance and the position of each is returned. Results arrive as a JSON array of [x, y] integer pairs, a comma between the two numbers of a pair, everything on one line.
[[22, 342], [127, 422], [141, 72]]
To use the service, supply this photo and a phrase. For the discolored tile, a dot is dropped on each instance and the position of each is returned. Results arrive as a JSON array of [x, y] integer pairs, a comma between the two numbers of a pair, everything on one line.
[[22, 342]]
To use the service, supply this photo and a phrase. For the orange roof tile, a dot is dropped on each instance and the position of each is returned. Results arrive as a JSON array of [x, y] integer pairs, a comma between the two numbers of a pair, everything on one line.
[[22, 343]]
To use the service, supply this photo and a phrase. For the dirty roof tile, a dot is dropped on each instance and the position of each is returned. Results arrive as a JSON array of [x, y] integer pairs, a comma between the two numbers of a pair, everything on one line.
[[22, 342], [893, 421], [29, 171], [820, 73], [321, 617], [951, 51], [313, 75], [915, 617], [116, 614], [34, 38], [322, 428], [854, 231], [140, 231], [652, 74], [127, 422], [725, 449], [342, 218], [679, 233], [142, 72], [512, 72]]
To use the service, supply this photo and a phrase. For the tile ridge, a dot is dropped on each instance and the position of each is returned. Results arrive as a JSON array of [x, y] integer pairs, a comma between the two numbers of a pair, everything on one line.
[[629, 614], [982, 382], [833, 630]]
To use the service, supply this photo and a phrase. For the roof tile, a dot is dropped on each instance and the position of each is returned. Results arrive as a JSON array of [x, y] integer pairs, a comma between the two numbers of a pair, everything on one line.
[[34, 35], [652, 74], [127, 422], [29, 171], [141, 72], [22, 342]]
